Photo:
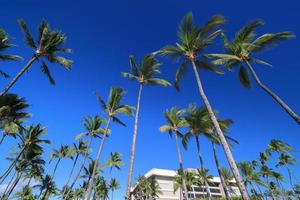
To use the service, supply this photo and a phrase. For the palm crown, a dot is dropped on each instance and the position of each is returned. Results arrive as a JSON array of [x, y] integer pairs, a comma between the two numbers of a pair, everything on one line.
[[244, 45], [114, 106], [175, 120], [145, 72], [192, 42], [48, 45], [4, 45]]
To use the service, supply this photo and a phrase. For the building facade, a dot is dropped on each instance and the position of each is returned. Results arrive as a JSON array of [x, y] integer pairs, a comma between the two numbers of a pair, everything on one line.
[[165, 179]]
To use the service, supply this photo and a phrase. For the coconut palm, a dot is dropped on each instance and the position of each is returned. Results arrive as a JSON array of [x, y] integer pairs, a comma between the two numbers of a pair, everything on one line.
[[79, 149], [48, 45], [228, 178], [250, 176], [114, 161], [286, 160], [79, 193], [93, 130], [192, 42], [30, 141], [144, 74], [240, 52], [5, 43], [278, 146], [113, 185], [176, 120], [191, 179], [112, 108], [12, 114], [88, 172], [25, 194], [101, 188], [48, 185], [147, 188]]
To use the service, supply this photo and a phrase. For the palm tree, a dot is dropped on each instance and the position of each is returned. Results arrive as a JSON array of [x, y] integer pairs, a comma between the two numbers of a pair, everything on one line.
[[25, 194], [30, 142], [101, 188], [227, 177], [176, 121], [286, 160], [93, 130], [64, 151], [113, 185], [144, 74], [48, 185], [278, 146], [147, 188], [114, 161], [81, 149], [12, 114], [5, 43], [192, 42], [240, 51], [79, 193], [49, 44], [112, 108], [191, 179], [250, 176]]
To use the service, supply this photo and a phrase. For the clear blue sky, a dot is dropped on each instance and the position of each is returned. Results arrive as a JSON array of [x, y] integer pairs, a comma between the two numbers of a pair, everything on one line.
[[104, 33]]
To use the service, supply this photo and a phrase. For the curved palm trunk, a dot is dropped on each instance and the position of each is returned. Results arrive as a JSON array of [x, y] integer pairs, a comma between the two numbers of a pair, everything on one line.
[[132, 154], [225, 188], [181, 168], [80, 170], [10, 168], [223, 141], [71, 173], [23, 70], [90, 183], [202, 166], [273, 95]]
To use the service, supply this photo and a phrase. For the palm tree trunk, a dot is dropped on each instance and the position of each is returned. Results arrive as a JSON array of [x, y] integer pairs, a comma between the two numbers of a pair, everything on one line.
[[23, 70], [9, 185], [223, 141], [273, 95], [225, 188], [52, 177], [14, 185], [132, 154], [112, 194], [181, 168], [202, 166], [79, 172], [7, 172], [71, 173], [90, 183]]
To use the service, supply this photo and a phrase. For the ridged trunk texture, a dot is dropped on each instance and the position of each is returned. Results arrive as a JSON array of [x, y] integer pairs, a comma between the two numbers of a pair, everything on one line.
[[223, 141], [132, 154]]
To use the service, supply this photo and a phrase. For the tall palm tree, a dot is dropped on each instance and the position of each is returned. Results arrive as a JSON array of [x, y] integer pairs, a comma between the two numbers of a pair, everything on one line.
[[144, 74], [48, 45], [112, 108], [190, 47], [5, 43], [93, 130], [191, 179], [278, 146], [48, 185], [12, 114], [113, 185], [228, 178], [88, 171], [81, 149], [30, 141], [25, 194], [175, 120], [101, 188], [240, 52], [285, 160]]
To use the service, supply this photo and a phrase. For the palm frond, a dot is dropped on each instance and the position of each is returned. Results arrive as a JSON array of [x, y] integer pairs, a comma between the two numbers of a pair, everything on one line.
[[46, 71], [179, 74], [158, 81], [211, 24], [5, 57], [246, 33], [28, 38], [66, 63], [133, 65], [208, 66], [117, 120], [244, 77], [171, 51]]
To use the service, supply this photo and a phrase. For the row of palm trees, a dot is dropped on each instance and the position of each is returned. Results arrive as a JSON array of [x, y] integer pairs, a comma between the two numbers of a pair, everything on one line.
[[190, 49]]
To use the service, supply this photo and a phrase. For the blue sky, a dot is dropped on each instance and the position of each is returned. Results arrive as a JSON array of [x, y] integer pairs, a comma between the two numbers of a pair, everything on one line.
[[104, 33]]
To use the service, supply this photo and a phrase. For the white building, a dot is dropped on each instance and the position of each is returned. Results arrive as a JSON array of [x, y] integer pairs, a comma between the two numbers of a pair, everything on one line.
[[165, 180]]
